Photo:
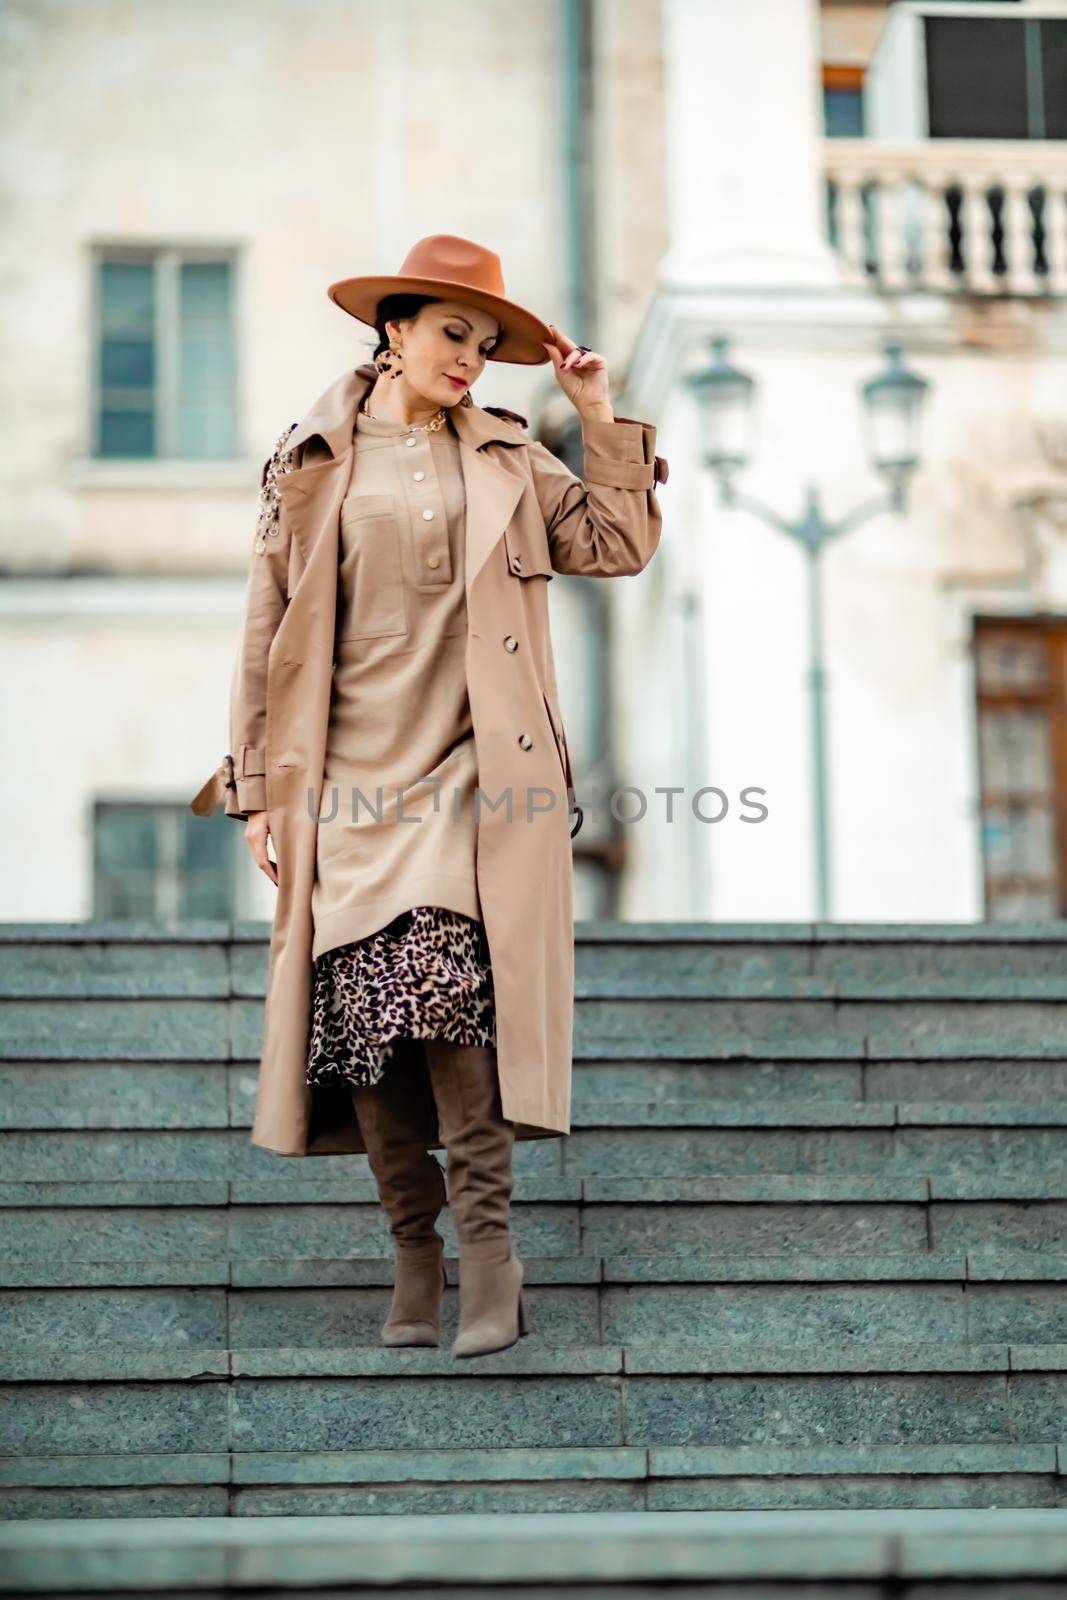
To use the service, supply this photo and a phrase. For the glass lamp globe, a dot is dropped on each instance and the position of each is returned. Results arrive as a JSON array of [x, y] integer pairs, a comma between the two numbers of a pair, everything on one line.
[[725, 396], [893, 406]]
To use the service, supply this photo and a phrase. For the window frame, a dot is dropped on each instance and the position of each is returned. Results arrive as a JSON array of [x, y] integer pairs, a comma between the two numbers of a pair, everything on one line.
[[847, 78], [1032, 65], [169, 820], [166, 261], [1048, 697]]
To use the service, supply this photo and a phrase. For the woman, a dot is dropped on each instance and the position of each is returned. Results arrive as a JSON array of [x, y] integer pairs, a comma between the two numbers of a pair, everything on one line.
[[396, 735]]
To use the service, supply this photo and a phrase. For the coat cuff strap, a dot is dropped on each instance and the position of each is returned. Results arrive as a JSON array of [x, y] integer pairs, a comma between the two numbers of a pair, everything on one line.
[[241, 784], [620, 454], [250, 768], [206, 799], [252, 794], [249, 762]]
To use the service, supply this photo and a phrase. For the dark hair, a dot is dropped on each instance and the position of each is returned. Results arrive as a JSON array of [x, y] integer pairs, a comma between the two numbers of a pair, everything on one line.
[[393, 307]]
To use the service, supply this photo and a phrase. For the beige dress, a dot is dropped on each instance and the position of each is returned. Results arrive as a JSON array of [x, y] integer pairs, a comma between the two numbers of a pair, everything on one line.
[[399, 946]]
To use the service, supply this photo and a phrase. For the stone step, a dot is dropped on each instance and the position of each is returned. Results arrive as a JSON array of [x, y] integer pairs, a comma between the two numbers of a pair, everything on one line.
[[863, 1555], [288, 1483], [528, 1397], [79, 1096], [359, 1272], [883, 1214], [66, 1094], [529, 1359], [642, 959], [130, 1307], [615, 1027], [921, 1082], [1020, 1143]]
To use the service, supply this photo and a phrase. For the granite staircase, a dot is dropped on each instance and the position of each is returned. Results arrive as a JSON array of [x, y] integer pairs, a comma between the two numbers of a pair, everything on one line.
[[806, 1246]]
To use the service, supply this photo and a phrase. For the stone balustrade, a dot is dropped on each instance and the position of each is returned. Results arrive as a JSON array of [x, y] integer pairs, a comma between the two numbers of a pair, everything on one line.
[[975, 217]]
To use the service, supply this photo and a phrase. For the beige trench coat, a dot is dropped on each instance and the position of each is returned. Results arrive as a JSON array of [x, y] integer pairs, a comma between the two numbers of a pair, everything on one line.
[[528, 515]]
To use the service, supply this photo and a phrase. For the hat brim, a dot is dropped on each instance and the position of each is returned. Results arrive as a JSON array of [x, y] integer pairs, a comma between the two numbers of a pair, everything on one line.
[[524, 334]]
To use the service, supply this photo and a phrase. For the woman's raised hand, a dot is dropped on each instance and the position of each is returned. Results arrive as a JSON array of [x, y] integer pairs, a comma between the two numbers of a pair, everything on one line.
[[582, 375]]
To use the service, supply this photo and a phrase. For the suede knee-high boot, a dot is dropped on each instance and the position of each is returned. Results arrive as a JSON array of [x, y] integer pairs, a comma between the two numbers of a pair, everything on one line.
[[411, 1189], [478, 1142]]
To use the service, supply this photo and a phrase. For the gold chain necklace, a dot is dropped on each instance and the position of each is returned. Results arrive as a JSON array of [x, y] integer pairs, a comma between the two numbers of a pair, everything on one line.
[[432, 426]]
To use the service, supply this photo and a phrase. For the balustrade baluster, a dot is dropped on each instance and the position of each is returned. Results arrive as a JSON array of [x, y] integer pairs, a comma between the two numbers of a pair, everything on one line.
[[936, 268], [976, 221], [892, 225], [1017, 224], [1055, 220], [851, 240]]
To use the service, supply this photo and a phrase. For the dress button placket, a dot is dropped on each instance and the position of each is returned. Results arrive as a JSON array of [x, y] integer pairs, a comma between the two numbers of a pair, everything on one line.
[[429, 525]]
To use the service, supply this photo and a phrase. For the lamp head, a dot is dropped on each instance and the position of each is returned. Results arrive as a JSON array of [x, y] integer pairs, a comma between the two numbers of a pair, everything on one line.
[[725, 398], [893, 404]]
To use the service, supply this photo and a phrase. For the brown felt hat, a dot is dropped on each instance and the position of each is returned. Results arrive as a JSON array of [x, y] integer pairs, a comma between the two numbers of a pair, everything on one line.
[[451, 268]]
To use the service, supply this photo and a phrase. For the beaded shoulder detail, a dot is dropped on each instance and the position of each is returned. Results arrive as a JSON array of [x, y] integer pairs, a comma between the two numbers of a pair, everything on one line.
[[280, 460]]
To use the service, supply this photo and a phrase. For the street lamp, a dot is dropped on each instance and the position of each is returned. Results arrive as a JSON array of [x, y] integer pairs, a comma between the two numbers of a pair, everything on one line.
[[892, 408], [725, 396]]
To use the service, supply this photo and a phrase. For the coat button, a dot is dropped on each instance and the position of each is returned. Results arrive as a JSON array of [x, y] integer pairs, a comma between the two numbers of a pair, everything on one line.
[[427, 515], [433, 561], [418, 476], [516, 562], [409, 441], [525, 741], [511, 643]]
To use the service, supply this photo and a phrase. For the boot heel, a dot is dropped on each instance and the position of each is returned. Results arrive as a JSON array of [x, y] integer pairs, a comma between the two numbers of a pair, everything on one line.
[[522, 1315]]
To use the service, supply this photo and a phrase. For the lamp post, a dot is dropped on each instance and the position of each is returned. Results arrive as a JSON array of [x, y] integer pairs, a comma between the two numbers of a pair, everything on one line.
[[892, 406]]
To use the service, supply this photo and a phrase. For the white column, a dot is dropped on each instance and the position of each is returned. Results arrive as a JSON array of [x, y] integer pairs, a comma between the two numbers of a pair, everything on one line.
[[744, 132]]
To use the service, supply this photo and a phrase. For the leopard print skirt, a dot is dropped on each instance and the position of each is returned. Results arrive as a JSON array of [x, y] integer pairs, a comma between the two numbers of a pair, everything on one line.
[[426, 975]]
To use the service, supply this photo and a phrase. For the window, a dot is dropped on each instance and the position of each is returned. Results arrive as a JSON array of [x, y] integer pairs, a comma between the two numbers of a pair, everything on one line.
[[165, 355], [1021, 670], [842, 101], [996, 77], [158, 863]]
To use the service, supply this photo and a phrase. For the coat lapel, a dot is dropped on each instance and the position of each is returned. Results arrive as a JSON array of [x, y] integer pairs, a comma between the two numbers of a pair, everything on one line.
[[311, 495], [492, 495]]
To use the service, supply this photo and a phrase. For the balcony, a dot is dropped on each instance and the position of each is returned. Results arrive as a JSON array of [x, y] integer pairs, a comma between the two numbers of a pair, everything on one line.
[[969, 217]]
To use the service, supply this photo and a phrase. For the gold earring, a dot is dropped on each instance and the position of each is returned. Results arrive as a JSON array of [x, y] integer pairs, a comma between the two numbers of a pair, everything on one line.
[[465, 398], [384, 361]]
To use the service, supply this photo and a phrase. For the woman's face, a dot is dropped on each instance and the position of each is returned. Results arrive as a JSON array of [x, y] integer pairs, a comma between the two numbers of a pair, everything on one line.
[[444, 341]]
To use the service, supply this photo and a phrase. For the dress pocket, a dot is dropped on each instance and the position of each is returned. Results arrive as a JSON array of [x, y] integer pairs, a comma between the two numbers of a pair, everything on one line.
[[370, 578]]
